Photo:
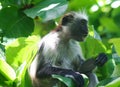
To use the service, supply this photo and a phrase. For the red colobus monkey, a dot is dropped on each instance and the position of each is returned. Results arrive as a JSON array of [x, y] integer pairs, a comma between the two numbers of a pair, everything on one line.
[[60, 53]]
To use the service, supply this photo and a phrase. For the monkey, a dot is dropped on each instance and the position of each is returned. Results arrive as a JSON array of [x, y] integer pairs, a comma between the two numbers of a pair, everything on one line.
[[60, 53]]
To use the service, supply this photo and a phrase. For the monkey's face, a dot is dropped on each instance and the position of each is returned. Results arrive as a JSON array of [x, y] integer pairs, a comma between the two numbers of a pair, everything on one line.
[[77, 25]]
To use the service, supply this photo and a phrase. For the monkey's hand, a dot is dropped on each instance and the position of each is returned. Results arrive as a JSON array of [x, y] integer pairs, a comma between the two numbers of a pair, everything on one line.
[[101, 59], [77, 77]]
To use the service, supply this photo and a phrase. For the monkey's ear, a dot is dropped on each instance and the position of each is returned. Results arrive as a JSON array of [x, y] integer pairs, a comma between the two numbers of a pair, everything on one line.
[[67, 19]]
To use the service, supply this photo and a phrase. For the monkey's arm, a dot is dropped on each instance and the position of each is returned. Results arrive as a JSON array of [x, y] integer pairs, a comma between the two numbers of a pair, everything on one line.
[[90, 64], [48, 70]]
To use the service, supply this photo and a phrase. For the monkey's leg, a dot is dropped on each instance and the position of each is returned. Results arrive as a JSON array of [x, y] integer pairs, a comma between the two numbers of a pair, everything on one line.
[[93, 80], [48, 70]]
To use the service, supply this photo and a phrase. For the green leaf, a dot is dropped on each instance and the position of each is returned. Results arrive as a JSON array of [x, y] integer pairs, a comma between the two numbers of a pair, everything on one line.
[[6, 3], [108, 69], [116, 57], [20, 70], [114, 83], [68, 81], [27, 80], [21, 75], [92, 47], [36, 1], [22, 50], [106, 81], [14, 23], [116, 72], [116, 43], [47, 9], [93, 33], [80, 4], [7, 71], [20, 54], [109, 24]]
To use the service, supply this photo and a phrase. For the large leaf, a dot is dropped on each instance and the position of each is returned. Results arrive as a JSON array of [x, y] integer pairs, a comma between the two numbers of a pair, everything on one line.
[[14, 23], [20, 54], [92, 47], [47, 9], [21, 50]]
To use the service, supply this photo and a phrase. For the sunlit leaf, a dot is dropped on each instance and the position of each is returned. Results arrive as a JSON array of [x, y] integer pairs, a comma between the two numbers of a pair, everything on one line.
[[20, 70], [20, 54], [22, 50], [7, 71], [116, 43]]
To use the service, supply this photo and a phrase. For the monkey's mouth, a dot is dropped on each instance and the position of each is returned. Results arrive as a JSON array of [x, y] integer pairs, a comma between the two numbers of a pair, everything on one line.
[[81, 37]]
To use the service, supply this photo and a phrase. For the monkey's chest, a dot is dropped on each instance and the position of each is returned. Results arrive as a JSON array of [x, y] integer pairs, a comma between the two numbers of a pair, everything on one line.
[[64, 62], [61, 58], [63, 55]]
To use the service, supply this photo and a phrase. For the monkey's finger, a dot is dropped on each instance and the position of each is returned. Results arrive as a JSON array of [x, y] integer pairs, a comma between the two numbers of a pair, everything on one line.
[[79, 80], [101, 60]]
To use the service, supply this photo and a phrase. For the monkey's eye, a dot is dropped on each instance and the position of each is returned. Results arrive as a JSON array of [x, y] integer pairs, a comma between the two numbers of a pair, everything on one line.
[[66, 19], [83, 22]]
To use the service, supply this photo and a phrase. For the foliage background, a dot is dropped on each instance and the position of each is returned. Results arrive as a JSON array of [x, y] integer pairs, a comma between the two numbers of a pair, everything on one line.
[[24, 22]]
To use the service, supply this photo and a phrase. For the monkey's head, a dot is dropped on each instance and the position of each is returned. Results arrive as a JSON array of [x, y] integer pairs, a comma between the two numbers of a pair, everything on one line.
[[76, 25]]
